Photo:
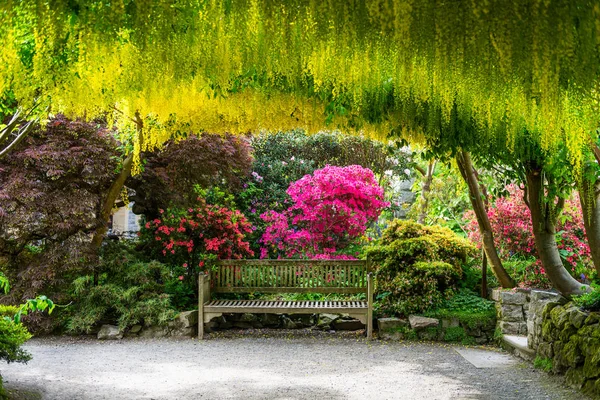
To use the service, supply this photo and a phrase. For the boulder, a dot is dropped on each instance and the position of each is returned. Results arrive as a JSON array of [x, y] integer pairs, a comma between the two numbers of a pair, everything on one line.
[[417, 322], [247, 317], [390, 324], [450, 323], [155, 332], [135, 329], [243, 324], [109, 332], [287, 323], [575, 378], [347, 325], [325, 320], [189, 331], [303, 319], [270, 320], [187, 319]]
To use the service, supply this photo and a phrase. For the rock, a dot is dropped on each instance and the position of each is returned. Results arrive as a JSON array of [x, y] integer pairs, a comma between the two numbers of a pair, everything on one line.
[[516, 298], [481, 340], [247, 317], [189, 331], [548, 307], [570, 355], [242, 324], [392, 335], [417, 322], [496, 294], [186, 319], [549, 331], [592, 319], [429, 333], [592, 388], [390, 324], [575, 378], [287, 323], [326, 320], [511, 328], [155, 332], [270, 320], [109, 332], [544, 296], [135, 329], [211, 325], [560, 317], [303, 319], [450, 323], [512, 313], [347, 325], [544, 350], [577, 317]]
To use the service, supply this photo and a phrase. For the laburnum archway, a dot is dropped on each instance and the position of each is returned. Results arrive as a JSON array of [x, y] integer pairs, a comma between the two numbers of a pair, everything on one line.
[[496, 78]]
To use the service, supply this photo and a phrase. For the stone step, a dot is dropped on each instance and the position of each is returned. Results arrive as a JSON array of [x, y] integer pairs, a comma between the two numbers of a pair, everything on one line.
[[518, 345]]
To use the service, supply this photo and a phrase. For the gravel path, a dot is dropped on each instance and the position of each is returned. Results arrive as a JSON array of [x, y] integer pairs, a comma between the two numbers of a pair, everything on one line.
[[266, 366]]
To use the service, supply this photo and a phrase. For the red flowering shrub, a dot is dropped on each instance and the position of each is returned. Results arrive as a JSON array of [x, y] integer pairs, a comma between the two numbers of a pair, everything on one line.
[[331, 208], [513, 234], [187, 239]]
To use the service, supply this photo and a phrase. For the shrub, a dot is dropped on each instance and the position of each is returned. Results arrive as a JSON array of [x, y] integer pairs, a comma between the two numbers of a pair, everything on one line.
[[418, 267], [513, 235], [589, 301], [330, 209], [545, 364], [189, 239], [170, 176], [129, 292]]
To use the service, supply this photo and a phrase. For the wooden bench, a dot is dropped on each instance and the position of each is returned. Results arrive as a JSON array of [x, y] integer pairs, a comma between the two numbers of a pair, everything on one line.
[[287, 276]]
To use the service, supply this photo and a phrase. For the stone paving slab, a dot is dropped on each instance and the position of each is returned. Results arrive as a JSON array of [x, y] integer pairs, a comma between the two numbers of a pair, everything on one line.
[[487, 358]]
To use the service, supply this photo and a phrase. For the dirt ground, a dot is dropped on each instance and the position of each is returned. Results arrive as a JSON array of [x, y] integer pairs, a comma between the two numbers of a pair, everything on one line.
[[262, 365]]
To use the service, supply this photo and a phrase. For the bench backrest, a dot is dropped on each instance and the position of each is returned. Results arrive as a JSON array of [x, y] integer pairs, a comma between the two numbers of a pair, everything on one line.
[[291, 276]]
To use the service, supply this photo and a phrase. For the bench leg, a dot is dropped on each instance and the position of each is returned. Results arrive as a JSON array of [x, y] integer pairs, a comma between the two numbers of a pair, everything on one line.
[[370, 288], [201, 306]]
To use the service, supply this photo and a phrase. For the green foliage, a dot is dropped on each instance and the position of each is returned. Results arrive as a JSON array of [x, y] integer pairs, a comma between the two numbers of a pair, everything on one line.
[[12, 336], [470, 309], [418, 267], [544, 364], [589, 301], [129, 291]]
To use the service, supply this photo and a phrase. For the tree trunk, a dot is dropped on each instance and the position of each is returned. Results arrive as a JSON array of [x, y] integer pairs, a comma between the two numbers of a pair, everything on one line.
[[111, 197], [467, 171], [425, 189], [544, 218], [589, 197]]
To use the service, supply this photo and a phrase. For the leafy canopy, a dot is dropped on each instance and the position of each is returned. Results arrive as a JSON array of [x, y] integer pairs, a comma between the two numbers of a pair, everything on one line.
[[372, 65]]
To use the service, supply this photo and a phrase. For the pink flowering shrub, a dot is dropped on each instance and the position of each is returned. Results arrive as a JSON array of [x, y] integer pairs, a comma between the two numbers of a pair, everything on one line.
[[330, 209], [189, 238], [513, 235]]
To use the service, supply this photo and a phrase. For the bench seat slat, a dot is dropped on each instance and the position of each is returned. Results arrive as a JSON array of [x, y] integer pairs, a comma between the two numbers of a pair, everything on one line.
[[282, 307]]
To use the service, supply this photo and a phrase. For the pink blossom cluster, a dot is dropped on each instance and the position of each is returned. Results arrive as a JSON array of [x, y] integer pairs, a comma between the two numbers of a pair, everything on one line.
[[330, 208], [513, 234]]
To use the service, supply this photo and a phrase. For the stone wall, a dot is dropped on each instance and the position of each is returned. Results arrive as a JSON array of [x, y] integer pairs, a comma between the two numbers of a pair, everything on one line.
[[570, 337], [557, 331], [445, 329], [512, 310]]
